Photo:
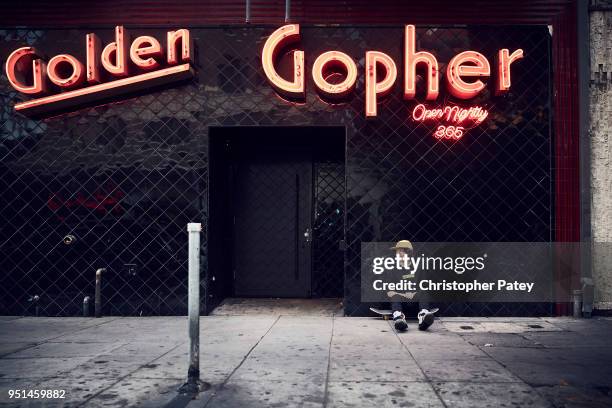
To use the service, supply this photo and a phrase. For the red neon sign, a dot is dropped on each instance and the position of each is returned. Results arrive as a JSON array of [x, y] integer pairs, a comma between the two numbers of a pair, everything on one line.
[[464, 72], [504, 60], [73, 82], [456, 120], [451, 114], [145, 52], [325, 63], [411, 59], [374, 59], [467, 63], [281, 38], [76, 76], [68, 75]]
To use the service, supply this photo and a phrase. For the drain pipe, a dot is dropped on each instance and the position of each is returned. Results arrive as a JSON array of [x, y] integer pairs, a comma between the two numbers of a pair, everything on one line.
[[98, 294], [586, 233], [287, 10], [577, 303], [247, 11]]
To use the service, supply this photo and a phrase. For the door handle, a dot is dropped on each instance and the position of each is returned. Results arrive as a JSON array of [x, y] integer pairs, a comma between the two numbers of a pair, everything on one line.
[[308, 234]]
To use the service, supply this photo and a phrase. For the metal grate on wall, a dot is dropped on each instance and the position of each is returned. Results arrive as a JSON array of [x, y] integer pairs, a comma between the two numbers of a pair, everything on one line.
[[126, 177], [328, 230]]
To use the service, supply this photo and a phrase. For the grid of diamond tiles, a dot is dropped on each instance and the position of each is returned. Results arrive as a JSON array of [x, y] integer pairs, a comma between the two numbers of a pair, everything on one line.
[[126, 177]]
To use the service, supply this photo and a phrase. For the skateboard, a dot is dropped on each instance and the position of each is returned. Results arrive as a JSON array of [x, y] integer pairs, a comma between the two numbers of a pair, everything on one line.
[[385, 313], [407, 295], [382, 312]]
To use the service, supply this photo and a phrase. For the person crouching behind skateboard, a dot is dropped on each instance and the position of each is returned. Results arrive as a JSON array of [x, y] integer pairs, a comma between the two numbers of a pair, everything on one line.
[[403, 249]]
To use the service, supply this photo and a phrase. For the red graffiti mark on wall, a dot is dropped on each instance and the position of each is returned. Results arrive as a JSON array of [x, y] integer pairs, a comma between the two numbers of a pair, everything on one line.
[[102, 201]]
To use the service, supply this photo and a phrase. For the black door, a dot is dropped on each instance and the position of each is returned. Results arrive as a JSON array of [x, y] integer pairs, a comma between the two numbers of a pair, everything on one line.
[[272, 200]]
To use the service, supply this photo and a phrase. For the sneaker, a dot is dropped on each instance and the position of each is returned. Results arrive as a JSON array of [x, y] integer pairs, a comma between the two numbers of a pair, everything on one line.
[[426, 319], [399, 321]]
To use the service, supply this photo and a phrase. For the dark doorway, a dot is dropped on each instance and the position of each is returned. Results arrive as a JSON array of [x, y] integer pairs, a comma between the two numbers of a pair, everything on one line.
[[267, 208]]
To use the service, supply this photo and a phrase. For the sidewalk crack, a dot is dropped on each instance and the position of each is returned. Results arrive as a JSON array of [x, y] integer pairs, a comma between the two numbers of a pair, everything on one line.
[[331, 339], [81, 404], [244, 359], [57, 337], [427, 379]]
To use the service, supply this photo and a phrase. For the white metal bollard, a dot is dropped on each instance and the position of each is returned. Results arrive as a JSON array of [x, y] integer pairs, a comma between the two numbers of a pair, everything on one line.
[[193, 374]]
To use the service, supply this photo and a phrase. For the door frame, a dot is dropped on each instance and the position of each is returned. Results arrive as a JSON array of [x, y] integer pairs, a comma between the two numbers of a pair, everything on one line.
[[215, 287]]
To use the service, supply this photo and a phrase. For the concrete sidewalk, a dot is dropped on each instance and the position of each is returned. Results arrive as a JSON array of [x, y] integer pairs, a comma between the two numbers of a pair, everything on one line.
[[280, 360]]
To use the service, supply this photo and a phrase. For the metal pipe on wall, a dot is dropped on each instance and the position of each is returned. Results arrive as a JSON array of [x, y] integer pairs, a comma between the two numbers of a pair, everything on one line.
[[86, 301], [586, 234], [98, 293], [287, 10]]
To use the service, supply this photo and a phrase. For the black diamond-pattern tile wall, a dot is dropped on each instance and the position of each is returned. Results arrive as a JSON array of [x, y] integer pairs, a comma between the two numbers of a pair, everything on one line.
[[125, 178]]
